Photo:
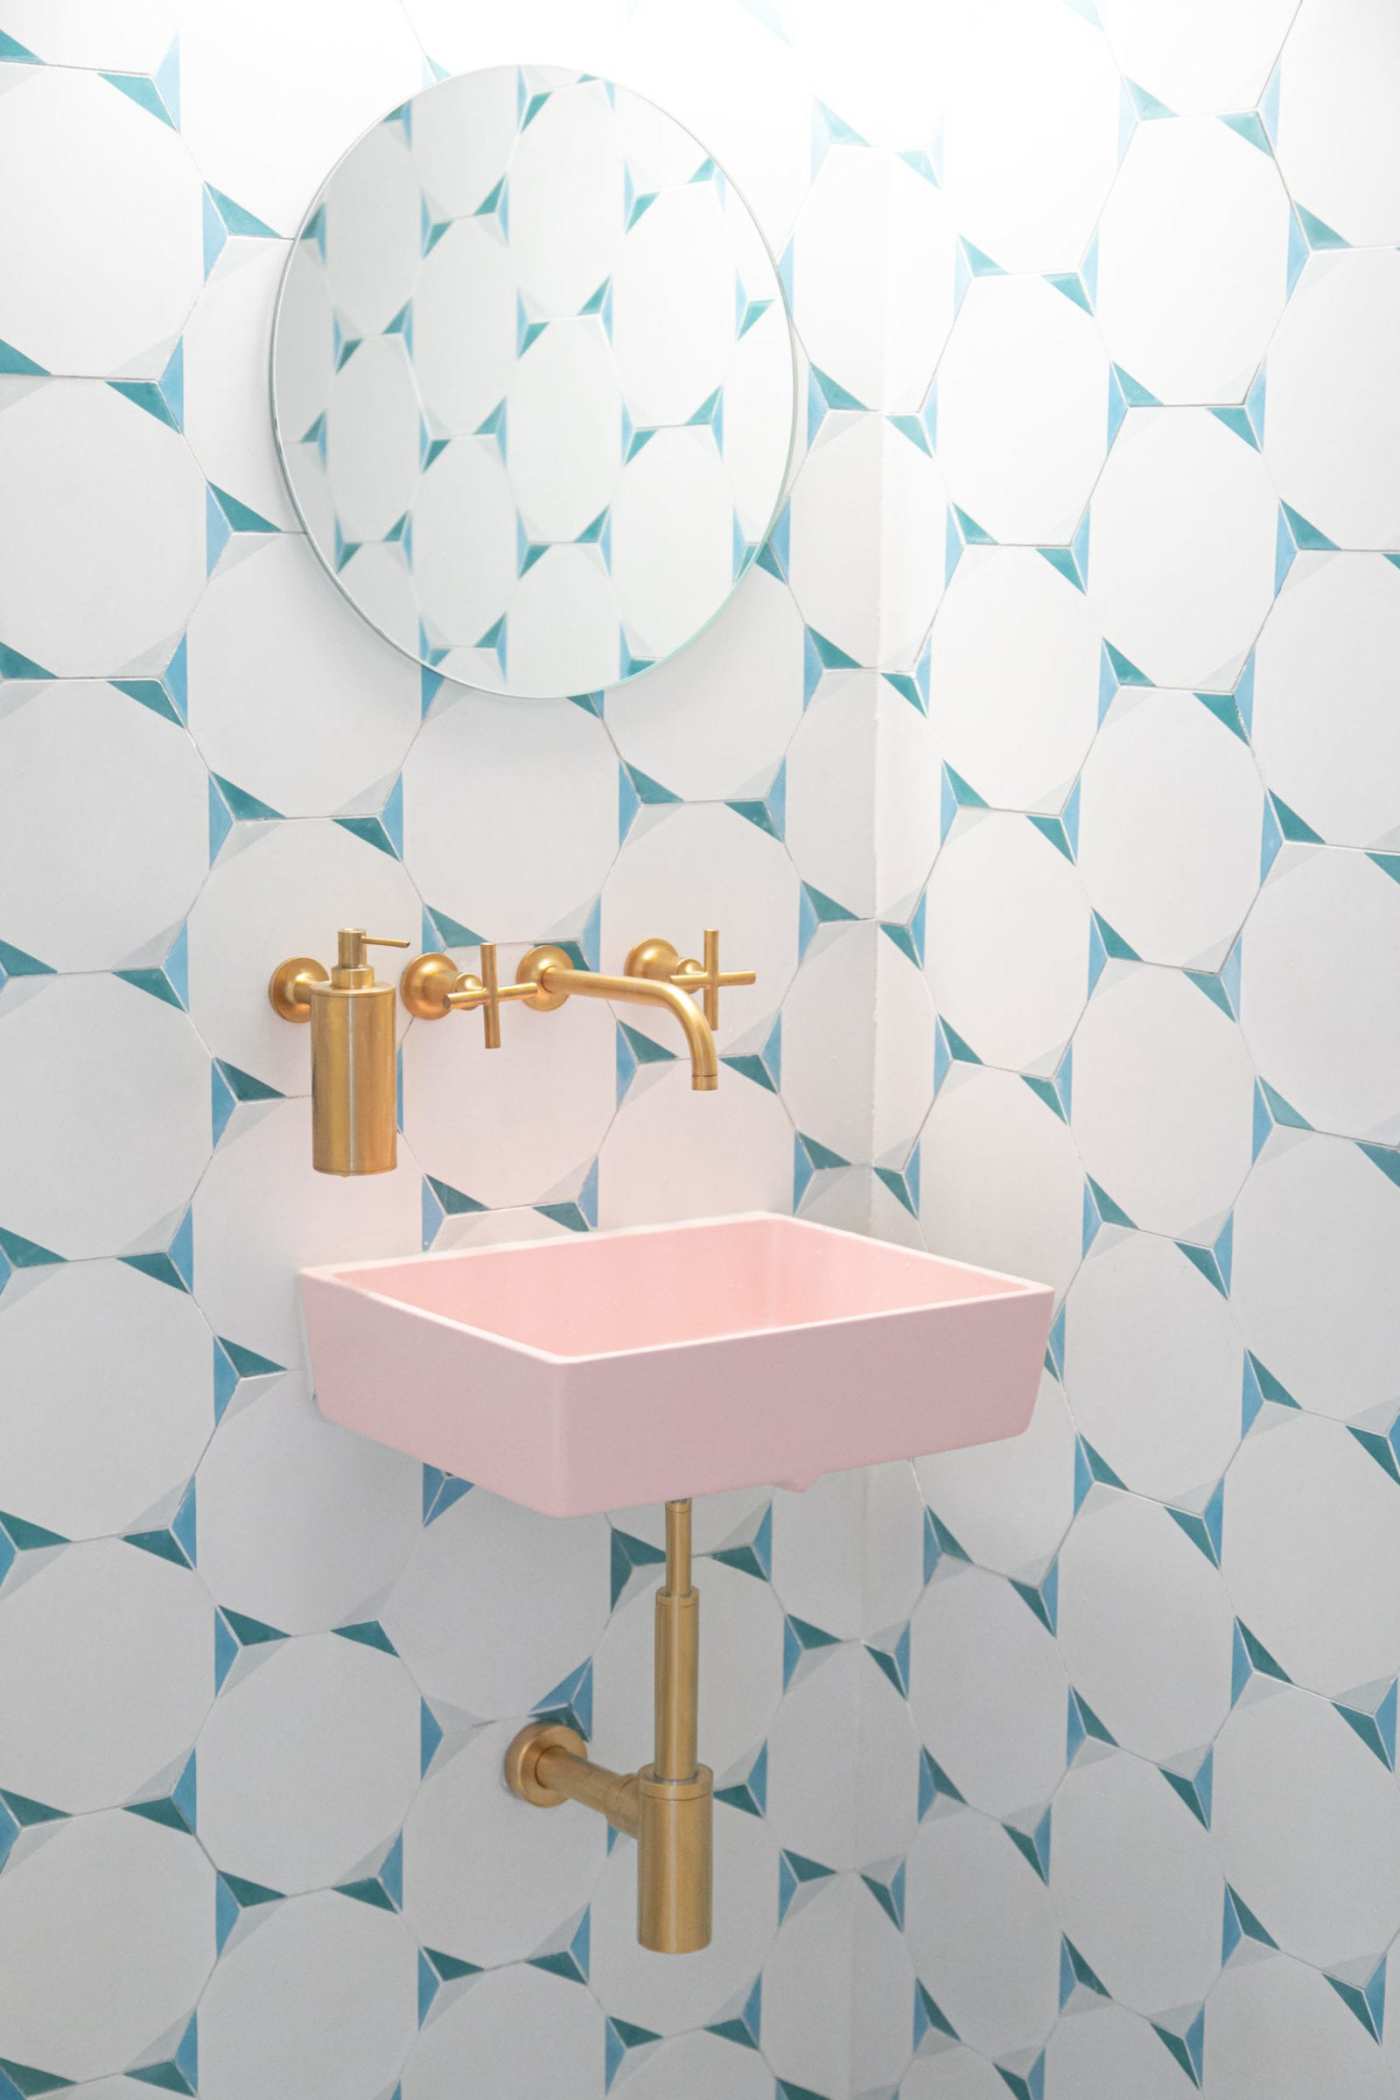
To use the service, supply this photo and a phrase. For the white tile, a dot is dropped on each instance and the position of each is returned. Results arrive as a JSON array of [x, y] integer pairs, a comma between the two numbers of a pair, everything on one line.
[[826, 1539], [116, 1080], [109, 1655], [132, 35], [1145, 1628], [1166, 1418], [1115, 2051], [90, 781], [1342, 58], [672, 1153], [541, 1588], [373, 439], [1022, 409], [1325, 731], [373, 204], [1332, 428], [321, 1965], [843, 1764], [907, 798], [1279, 2031], [831, 827], [1008, 940], [514, 2029], [716, 718], [844, 536], [111, 207], [131, 1907], [269, 99], [1320, 1013], [302, 1524], [1317, 1238], [1194, 56], [345, 1719], [543, 787], [1136, 1885], [1311, 1554], [1169, 828], [1015, 669], [1002, 1184], [124, 1366], [101, 530], [828, 1052], [839, 273], [529, 1869], [1001, 1738], [953, 2074], [290, 697], [250, 1248], [1193, 250], [811, 2015], [1181, 560], [1031, 148], [1163, 1088], [1289, 1763], [982, 1933], [1009, 1504], [699, 2063]]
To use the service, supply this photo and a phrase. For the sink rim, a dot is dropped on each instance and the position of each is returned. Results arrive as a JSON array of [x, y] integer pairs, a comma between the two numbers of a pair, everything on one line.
[[339, 1273]]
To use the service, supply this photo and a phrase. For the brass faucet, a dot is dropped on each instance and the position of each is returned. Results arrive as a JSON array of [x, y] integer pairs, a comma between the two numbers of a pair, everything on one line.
[[668, 1806], [353, 1090], [655, 975]]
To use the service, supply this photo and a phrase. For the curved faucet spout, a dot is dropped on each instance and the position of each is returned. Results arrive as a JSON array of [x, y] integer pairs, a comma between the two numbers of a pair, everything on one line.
[[563, 980]]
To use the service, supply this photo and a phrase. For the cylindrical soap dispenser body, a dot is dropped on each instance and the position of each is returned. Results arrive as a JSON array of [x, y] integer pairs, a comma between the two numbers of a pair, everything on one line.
[[353, 1089]]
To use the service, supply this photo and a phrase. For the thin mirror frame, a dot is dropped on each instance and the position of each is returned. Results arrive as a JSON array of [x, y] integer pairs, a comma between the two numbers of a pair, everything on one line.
[[784, 487]]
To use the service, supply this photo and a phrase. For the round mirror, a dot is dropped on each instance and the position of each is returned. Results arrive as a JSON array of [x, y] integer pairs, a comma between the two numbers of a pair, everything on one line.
[[532, 381]]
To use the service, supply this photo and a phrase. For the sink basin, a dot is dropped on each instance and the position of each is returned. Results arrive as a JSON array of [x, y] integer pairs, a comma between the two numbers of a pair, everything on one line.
[[639, 1366]]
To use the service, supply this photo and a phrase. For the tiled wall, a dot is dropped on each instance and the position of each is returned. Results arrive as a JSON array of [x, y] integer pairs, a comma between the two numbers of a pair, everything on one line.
[[1054, 731]]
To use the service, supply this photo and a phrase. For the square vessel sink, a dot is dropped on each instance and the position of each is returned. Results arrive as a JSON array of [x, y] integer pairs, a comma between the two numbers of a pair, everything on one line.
[[638, 1366]]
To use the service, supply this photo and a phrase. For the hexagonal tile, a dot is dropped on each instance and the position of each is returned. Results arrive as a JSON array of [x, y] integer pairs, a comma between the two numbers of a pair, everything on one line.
[[1180, 579], [1113, 2052], [110, 1655], [1002, 1183], [91, 483], [124, 1365], [1332, 430], [345, 1719], [1197, 225], [1015, 654], [982, 1932], [112, 199], [1145, 1629], [372, 441], [1317, 1234], [1194, 58], [1170, 824], [319, 1962], [545, 1582], [1288, 1762], [1313, 2036], [1009, 1504], [116, 1082], [1325, 731], [90, 780], [811, 2017], [1311, 1554], [1031, 144], [132, 1907], [1338, 79], [845, 534], [1319, 1011], [843, 1764], [1136, 1885], [302, 1525], [1002, 1738], [1166, 1418], [1022, 409], [1163, 1092], [1002, 894]]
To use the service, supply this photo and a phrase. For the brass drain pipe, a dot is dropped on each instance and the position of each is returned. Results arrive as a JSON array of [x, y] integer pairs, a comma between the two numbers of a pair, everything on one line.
[[668, 1806]]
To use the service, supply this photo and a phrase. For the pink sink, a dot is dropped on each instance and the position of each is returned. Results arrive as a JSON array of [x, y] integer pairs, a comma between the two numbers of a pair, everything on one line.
[[623, 1367]]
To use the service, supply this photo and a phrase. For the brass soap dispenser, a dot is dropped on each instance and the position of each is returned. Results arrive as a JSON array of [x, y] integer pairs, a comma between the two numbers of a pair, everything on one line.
[[353, 1092]]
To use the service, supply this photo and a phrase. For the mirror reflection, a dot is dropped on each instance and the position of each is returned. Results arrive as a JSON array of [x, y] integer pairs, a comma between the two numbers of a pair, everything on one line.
[[533, 381]]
